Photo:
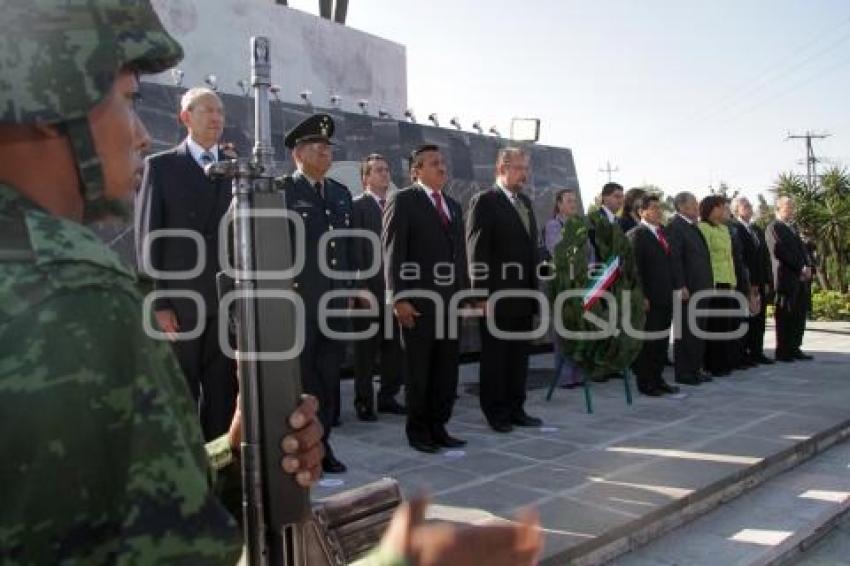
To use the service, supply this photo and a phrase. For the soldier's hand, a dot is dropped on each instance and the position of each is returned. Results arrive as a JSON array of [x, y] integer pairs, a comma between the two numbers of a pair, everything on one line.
[[303, 448], [406, 313], [167, 321], [442, 544]]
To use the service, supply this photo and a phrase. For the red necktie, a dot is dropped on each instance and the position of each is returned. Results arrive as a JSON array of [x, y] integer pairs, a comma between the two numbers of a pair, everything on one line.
[[438, 202], [663, 240]]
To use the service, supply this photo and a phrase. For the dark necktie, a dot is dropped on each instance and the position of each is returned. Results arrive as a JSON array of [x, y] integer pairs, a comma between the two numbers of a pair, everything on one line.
[[522, 211], [382, 202], [662, 239], [438, 202], [206, 158], [318, 187]]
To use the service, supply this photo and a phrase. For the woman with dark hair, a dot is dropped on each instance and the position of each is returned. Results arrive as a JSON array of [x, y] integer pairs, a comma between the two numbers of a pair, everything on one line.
[[566, 206], [629, 218], [719, 354]]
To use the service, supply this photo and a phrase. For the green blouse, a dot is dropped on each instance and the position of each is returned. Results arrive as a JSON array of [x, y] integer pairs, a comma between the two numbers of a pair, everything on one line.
[[719, 242]]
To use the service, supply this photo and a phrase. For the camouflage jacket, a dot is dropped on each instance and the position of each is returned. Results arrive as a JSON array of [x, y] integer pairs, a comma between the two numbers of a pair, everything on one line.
[[103, 460]]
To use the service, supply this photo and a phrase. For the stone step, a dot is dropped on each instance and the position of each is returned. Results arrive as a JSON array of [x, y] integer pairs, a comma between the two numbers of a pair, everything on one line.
[[768, 525], [724, 492]]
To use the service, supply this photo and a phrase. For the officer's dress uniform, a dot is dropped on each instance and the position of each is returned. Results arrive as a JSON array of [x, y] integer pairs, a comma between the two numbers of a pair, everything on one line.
[[122, 464], [322, 208]]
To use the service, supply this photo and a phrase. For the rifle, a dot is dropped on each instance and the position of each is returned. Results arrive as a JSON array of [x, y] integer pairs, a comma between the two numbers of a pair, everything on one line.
[[281, 526]]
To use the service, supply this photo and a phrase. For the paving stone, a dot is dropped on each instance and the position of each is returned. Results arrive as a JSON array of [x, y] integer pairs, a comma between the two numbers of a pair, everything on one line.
[[602, 461], [431, 479], [498, 497], [549, 477], [539, 449], [575, 518]]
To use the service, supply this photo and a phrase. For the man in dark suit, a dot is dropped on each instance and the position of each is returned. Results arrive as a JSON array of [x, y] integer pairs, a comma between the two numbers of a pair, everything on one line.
[[612, 202], [176, 195], [792, 272], [735, 347], [502, 237], [757, 259], [691, 265], [425, 253], [655, 268], [367, 214], [323, 205]]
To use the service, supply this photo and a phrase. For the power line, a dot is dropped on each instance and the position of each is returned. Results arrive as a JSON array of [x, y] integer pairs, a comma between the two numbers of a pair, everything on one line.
[[811, 160]]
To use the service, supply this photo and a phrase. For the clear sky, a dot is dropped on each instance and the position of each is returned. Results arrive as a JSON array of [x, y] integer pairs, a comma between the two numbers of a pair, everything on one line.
[[680, 94]]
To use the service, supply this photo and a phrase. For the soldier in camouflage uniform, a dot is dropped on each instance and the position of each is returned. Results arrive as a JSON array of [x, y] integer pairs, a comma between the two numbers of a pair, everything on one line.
[[103, 459]]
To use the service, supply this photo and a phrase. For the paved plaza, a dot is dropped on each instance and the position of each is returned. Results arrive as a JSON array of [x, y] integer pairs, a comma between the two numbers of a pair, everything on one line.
[[589, 474]]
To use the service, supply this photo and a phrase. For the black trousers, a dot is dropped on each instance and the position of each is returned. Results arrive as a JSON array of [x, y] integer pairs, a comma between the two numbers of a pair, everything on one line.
[[503, 371], [431, 378], [366, 353], [790, 317], [320, 362], [754, 339], [649, 364], [689, 349], [211, 377], [722, 355]]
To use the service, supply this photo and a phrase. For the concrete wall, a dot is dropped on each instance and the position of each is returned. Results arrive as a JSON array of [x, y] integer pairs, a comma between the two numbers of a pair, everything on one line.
[[308, 53]]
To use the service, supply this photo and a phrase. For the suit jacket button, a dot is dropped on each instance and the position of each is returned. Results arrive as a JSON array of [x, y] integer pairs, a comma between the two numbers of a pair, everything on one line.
[[333, 244], [333, 261], [295, 285]]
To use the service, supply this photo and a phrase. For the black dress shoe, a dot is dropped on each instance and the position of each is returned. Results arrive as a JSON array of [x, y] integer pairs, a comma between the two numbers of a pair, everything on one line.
[[762, 359], [425, 446], [330, 465], [720, 372], [665, 387], [786, 359], [391, 406], [504, 428], [365, 413], [526, 420], [704, 377], [446, 440], [799, 355], [688, 380], [650, 391]]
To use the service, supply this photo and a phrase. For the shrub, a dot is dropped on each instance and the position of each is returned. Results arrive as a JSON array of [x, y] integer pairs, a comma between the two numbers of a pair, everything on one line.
[[830, 305]]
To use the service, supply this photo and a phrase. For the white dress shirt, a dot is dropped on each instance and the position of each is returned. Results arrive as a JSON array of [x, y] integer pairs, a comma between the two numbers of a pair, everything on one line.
[[612, 218], [197, 150]]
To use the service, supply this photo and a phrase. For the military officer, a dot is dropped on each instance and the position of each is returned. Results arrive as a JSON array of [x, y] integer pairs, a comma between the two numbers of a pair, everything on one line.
[[323, 205]]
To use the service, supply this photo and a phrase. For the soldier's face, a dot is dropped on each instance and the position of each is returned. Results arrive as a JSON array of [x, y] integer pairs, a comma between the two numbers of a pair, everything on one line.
[[205, 120], [432, 172], [315, 158], [120, 138]]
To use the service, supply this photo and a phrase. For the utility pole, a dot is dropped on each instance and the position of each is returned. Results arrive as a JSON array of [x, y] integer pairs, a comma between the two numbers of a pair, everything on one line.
[[811, 160], [609, 170]]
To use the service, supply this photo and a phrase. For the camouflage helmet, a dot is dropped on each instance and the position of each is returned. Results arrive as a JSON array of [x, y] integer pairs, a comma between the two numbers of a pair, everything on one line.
[[59, 59]]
